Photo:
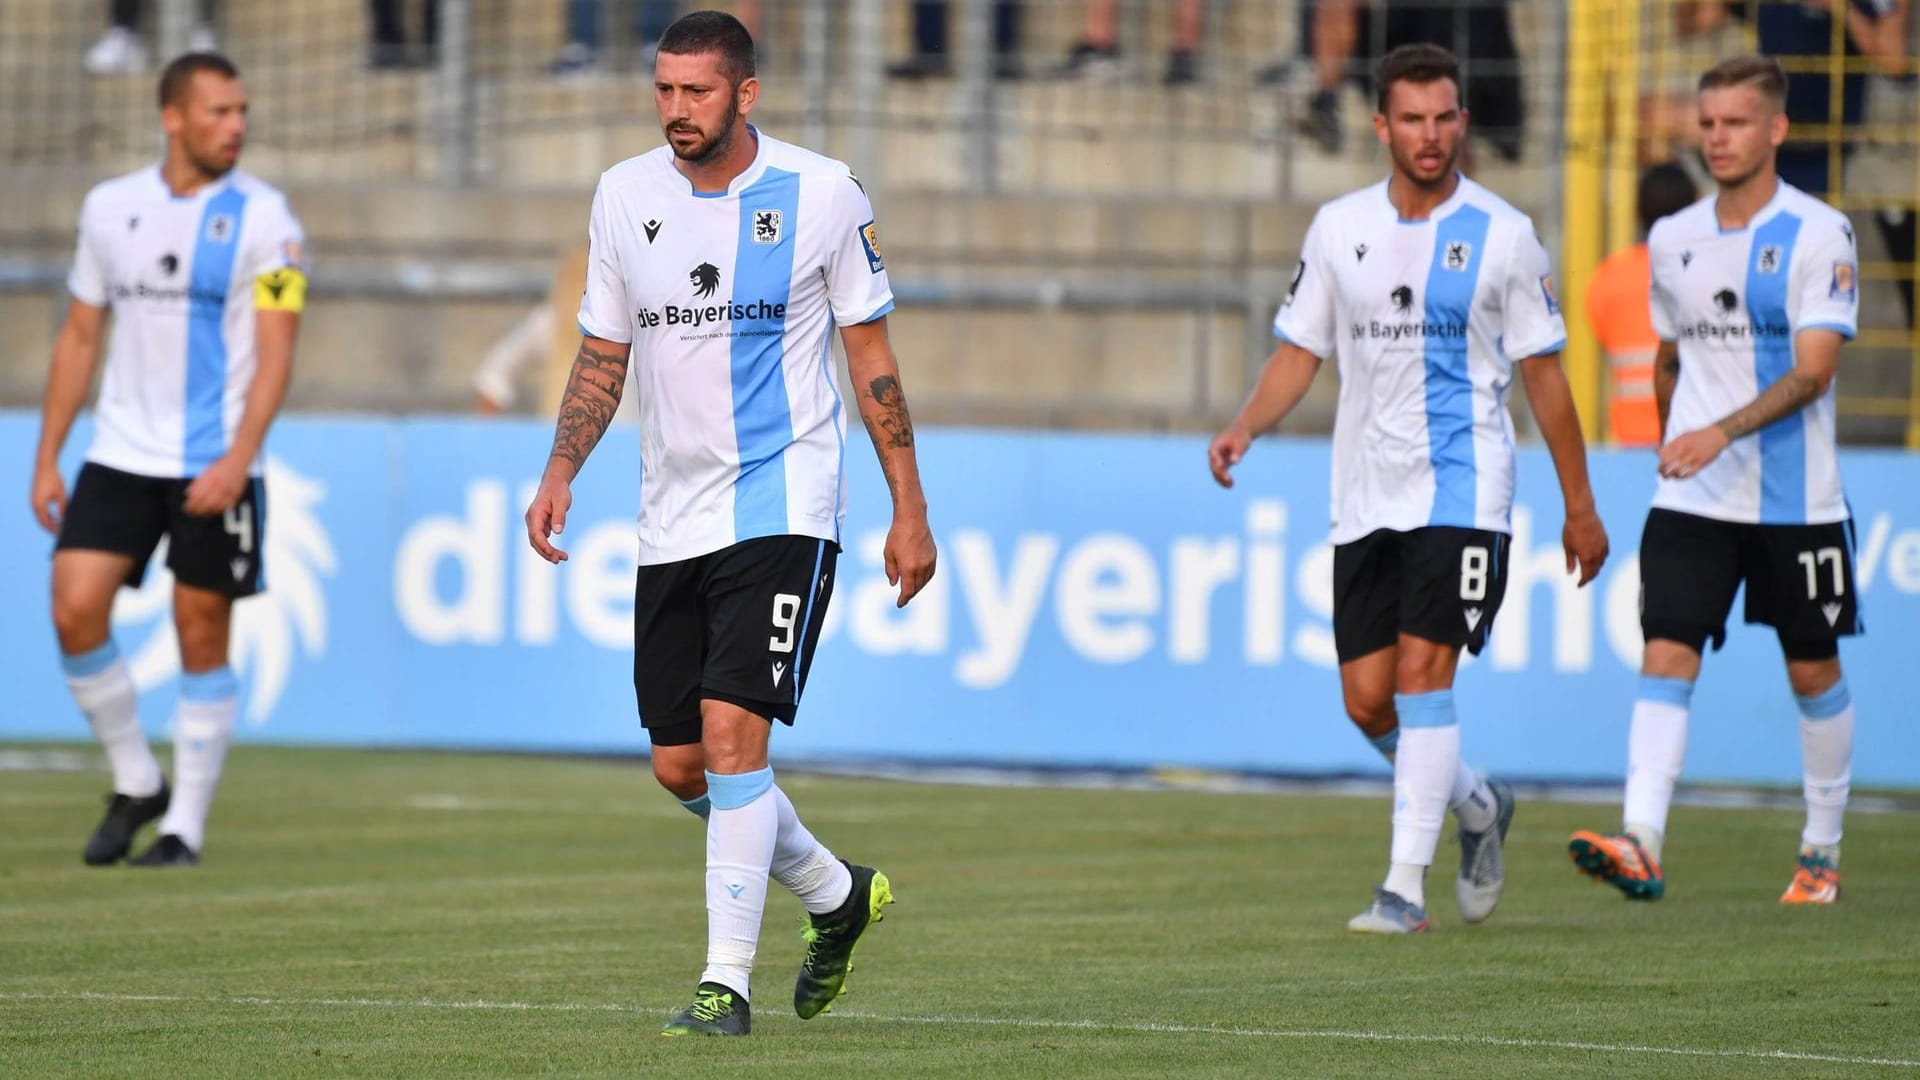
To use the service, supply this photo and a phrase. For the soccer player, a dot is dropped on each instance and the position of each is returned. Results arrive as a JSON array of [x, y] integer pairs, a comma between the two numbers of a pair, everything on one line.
[[1754, 289], [1430, 289], [202, 266], [719, 265]]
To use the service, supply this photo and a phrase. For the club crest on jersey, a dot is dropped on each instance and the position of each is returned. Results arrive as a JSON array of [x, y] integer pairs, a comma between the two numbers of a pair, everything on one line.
[[1768, 261], [1843, 286], [766, 226], [870, 240], [219, 228], [1459, 254], [705, 278]]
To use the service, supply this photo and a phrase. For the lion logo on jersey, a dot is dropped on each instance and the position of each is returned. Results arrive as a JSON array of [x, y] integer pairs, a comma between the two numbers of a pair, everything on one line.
[[705, 278], [266, 627]]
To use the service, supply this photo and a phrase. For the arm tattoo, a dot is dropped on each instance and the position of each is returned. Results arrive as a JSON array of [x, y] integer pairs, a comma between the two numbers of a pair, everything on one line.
[[1788, 395], [593, 393], [893, 418]]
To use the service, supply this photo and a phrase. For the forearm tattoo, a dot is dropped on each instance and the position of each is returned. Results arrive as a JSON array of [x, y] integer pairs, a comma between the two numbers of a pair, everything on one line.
[[1788, 395], [892, 419], [593, 393], [888, 424]]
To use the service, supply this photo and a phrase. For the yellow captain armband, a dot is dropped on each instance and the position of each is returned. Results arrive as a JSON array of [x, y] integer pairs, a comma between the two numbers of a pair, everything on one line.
[[284, 289]]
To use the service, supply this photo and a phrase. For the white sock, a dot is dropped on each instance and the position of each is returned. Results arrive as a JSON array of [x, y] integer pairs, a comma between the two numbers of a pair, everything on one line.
[[1471, 800], [740, 840], [1656, 747], [202, 727], [804, 865], [1424, 769], [1826, 762], [103, 688]]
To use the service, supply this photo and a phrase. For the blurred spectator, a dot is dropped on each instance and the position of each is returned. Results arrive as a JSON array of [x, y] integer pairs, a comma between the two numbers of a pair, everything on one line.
[[587, 22], [1480, 34], [121, 51], [1097, 53], [390, 46], [542, 345], [930, 58], [1617, 311]]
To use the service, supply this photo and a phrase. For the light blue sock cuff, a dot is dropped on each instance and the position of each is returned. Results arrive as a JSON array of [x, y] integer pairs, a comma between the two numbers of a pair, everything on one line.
[[732, 791], [1432, 709], [1387, 743], [216, 685], [90, 663], [1825, 706], [1666, 691], [699, 807]]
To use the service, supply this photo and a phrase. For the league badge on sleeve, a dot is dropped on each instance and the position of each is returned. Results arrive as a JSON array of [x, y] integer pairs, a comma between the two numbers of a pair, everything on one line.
[[1546, 290], [1843, 285], [870, 240]]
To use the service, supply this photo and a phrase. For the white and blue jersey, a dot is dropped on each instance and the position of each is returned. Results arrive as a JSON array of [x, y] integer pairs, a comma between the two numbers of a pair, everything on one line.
[[729, 301], [1426, 318], [1733, 302], [182, 276]]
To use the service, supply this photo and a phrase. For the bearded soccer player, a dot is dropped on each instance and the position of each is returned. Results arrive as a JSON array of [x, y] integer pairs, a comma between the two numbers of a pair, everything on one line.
[[1430, 289], [202, 268], [1754, 290], [719, 265]]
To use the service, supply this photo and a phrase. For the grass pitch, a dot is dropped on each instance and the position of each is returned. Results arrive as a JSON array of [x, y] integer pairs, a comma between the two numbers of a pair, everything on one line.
[[415, 915]]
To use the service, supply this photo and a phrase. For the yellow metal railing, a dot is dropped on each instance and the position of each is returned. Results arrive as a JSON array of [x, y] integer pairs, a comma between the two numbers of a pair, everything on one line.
[[1628, 64]]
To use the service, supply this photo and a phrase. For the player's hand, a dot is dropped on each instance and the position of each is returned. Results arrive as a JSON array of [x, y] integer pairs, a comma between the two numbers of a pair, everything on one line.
[[1227, 449], [910, 555], [1585, 540], [49, 497], [215, 491], [547, 516], [1687, 454]]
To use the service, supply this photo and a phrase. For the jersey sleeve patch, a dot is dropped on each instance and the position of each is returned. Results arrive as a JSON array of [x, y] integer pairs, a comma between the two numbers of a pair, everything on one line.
[[284, 289], [1552, 298], [1842, 287], [870, 240]]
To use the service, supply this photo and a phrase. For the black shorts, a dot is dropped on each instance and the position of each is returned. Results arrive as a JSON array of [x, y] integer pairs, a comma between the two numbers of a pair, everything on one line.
[[1440, 583], [127, 514], [738, 625], [1799, 581]]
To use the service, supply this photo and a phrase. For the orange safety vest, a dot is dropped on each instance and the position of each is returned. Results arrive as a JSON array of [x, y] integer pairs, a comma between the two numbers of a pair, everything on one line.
[[1617, 309]]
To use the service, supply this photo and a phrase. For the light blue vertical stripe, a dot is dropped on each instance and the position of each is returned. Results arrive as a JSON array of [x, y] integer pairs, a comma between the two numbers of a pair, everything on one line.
[[1449, 305], [806, 620], [762, 415], [205, 422], [1783, 443], [839, 437]]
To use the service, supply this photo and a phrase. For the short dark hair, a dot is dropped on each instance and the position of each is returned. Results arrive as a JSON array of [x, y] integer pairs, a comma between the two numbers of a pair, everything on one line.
[[1418, 63], [713, 32], [178, 77], [1665, 189], [1763, 72]]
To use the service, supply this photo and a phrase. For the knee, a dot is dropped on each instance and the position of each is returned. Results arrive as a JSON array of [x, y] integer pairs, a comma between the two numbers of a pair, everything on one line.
[[1811, 678], [1372, 713], [80, 626], [682, 775]]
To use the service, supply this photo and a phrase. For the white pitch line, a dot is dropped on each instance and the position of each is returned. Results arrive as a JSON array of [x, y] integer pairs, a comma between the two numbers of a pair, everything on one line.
[[1122, 1027]]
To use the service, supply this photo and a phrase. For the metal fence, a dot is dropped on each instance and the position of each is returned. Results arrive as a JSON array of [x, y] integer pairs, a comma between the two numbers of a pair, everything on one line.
[[1165, 98]]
